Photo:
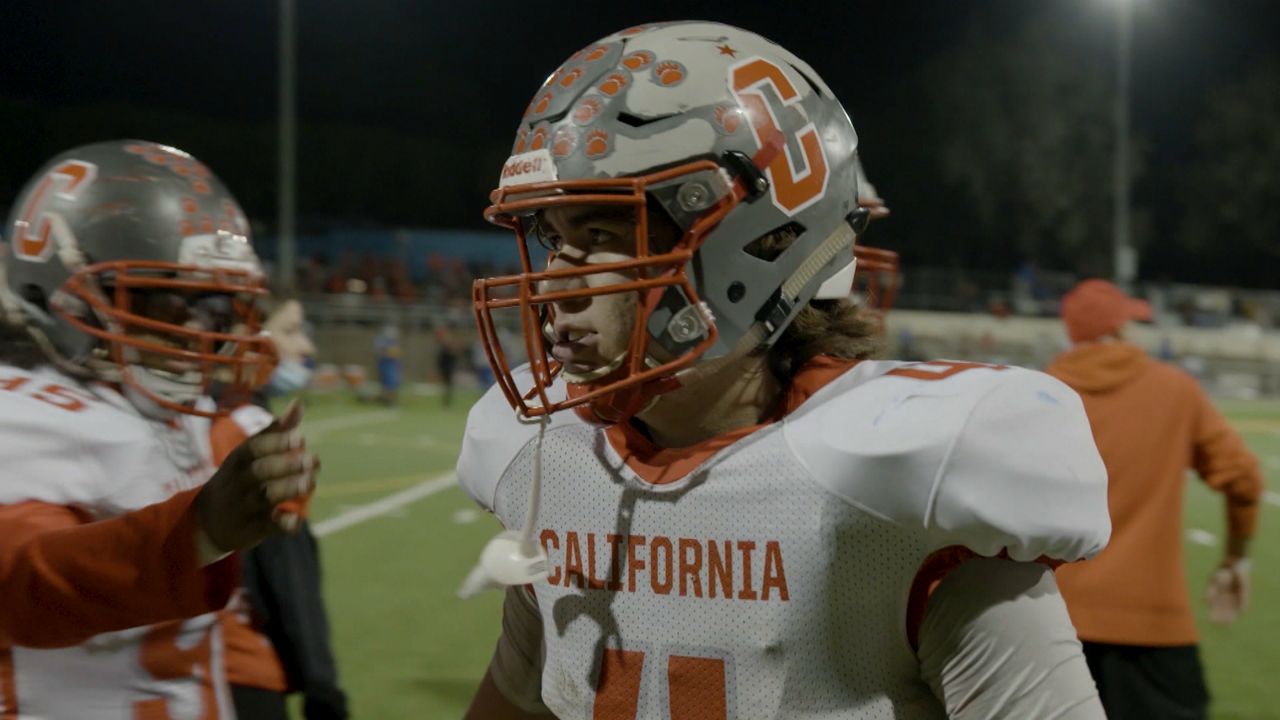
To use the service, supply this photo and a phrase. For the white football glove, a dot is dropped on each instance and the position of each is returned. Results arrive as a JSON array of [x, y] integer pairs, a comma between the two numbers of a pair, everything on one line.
[[1228, 593]]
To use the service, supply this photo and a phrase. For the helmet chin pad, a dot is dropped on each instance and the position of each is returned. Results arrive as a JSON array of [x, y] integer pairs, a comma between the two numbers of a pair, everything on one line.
[[163, 388]]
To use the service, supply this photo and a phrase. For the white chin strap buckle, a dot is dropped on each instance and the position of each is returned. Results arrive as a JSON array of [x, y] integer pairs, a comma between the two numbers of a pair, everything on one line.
[[509, 559]]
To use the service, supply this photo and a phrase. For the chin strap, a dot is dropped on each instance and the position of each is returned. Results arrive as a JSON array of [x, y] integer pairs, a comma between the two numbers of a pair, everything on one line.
[[514, 556], [528, 539], [777, 311]]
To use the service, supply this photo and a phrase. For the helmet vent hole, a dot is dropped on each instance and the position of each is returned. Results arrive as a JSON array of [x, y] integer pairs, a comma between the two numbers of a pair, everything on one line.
[[636, 121], [817, 89], [35, 295], [736, 291], [771, 245]]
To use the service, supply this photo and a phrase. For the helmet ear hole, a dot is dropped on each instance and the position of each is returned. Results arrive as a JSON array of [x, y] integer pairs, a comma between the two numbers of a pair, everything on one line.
[[736, 291], [34, 295], [771, 245]]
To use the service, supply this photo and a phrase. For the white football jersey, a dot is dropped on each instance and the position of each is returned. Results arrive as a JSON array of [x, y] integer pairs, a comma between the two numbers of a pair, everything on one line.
[[64, 443], [775, 578]]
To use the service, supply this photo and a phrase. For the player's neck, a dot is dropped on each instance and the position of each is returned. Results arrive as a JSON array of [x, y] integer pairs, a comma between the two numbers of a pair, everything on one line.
[[740, 395]]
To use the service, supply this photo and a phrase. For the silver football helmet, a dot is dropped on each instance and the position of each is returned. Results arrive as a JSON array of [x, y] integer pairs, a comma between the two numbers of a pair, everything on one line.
[[734, 138], [129, 262]]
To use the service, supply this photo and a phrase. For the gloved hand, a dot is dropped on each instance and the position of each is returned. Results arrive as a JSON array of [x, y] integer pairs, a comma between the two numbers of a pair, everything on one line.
[[1228, 593]]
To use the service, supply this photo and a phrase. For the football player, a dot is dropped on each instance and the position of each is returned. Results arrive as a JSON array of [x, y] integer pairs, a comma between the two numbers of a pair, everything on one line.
[[129, 271], [716, 506]]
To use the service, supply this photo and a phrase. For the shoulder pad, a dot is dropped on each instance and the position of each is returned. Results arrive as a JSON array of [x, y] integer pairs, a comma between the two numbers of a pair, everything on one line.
[[1024, 476], [974, 455], [495, 435], [57, 436], [877, 435]]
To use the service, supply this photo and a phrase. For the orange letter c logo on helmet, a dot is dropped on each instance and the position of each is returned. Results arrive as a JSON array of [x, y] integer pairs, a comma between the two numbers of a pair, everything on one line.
[[792, 189], [32, 230]]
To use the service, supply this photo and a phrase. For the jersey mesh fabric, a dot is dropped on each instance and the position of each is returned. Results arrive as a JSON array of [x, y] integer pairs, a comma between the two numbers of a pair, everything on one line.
[[814, 627]]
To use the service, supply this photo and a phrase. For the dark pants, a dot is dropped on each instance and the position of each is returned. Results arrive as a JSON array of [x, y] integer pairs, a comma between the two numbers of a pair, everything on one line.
[[257, 704], [1148, 683]]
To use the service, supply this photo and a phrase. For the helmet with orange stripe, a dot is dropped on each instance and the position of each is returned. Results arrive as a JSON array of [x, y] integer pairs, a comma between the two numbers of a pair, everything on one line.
[[129, 262], [644, 172]]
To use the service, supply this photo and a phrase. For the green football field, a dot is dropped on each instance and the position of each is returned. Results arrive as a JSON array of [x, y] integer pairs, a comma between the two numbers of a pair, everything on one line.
[[398, 537]]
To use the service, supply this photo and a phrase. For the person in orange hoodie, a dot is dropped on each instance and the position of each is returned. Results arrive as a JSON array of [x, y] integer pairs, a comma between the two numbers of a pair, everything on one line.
[[1151, 422]]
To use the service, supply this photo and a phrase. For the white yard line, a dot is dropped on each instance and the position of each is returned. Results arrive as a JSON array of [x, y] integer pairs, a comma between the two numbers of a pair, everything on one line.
[[388, 504], [1202, 537], [1272, 497]]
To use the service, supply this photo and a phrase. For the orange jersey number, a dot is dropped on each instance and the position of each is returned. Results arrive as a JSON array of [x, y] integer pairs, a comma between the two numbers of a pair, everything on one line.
[[695, 687], [59, 396], [939, 369]]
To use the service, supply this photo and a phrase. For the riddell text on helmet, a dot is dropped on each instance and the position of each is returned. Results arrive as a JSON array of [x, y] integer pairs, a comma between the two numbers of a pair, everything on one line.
[[529, 167]]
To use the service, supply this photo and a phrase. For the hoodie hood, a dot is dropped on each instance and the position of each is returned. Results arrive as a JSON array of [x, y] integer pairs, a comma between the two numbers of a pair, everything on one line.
[[1099, 367]]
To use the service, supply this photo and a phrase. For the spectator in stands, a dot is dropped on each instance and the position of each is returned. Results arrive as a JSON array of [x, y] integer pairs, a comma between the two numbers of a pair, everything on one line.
[[401, 286], [1151, 422], [386, 348]]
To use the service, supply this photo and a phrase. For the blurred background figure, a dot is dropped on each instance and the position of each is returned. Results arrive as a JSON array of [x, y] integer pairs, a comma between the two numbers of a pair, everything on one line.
[[277, 630], [480, 363], [449, 347], [386, 347], [291, 335], [1151, 422]]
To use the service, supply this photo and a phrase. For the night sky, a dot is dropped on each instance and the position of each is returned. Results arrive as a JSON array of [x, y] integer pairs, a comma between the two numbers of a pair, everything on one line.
[[461, 72]]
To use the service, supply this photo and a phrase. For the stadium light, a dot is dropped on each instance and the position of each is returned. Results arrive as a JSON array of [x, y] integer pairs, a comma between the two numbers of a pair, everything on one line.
[[1124, 257]]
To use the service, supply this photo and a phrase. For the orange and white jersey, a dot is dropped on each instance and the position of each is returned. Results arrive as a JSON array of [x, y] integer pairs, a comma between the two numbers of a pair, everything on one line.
[[781, 571], [87, 448]]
